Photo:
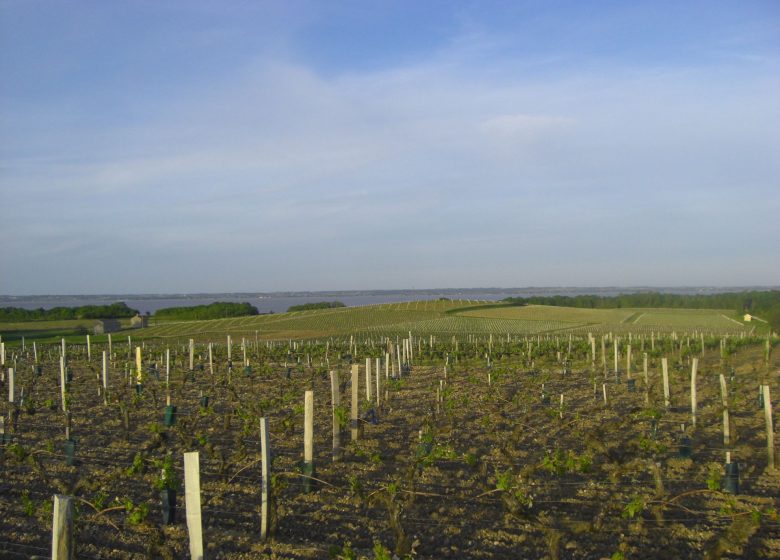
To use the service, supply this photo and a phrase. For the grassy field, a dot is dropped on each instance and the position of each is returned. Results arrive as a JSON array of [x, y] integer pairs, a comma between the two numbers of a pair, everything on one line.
[[439, 317], [455, 318], [51, 331]]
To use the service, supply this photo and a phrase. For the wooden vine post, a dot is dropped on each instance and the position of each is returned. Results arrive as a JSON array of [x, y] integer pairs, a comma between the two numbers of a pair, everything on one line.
[[335, 397], [63, 385], [192, 504], [628, 362], [139, 372], [368, 379], [770, 434], [665, 373], [724, 398], [694, 368], [354, 412], [377, 370], [105, 377], [308, 440], [11, 385], [616, 355], [62, 543], [265, 482]]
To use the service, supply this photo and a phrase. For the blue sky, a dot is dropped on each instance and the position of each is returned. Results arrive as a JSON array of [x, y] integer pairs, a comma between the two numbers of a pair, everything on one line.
[[191, 146]]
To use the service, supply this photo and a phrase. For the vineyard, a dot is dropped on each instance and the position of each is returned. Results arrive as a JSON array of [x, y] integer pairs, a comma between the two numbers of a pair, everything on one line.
[[458, 317], [525, 441]]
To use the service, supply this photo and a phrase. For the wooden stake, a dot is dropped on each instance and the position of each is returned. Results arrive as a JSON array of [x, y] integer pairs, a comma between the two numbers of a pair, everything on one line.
[[105, 377], [62, 543], [10, 385], [616, 354], [724, 399], [368, 379], [628, 362], [355, 402], [770, 434], [192, 501], [378, 387], [265, 482], [63, 381], [308, 428], [694, 367], [139, 375], [335, 396], [665, 373]]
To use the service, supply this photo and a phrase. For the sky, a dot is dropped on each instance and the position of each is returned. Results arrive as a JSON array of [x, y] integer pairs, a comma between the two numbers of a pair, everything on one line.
[[208, 146]]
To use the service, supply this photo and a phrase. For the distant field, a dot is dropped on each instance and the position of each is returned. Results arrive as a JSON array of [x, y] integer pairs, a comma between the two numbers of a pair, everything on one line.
[[452, 318], [50, 330], [439, 317], [615, 320]]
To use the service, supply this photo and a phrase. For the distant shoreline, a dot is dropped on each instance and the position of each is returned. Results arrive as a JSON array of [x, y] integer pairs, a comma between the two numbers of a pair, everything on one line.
[[535, 290], [279, 302]]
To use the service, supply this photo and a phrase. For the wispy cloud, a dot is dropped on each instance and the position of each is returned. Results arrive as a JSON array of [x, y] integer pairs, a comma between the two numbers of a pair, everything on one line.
[[468, 152]]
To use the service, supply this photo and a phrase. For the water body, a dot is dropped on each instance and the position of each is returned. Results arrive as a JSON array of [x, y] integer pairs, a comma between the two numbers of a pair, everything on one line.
[[279, 302]]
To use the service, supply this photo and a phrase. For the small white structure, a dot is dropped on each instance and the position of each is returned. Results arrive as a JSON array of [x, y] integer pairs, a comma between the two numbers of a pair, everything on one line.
[[139, 321]]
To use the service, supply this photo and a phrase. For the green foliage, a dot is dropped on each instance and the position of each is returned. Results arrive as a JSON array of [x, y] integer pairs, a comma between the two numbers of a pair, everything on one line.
[[136, 514], [504, 480], [341, 413], [100, 500], [317, 305], [559, 462], [652, 446], [27, 503], [381, 552], [355, 486], [634, 507], [714, 477], [18, 451], [169, 479], [216, 310], [138, 466], [750, 301], [342, 553], [117, 310]]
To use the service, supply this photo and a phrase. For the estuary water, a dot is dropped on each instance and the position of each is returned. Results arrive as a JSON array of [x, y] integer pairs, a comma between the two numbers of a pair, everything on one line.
[[279, 302]]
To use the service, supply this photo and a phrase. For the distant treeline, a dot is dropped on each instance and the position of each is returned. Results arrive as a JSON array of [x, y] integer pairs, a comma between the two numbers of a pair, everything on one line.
[[117, 310], [216, 310], [316, 305], [762, 304]]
